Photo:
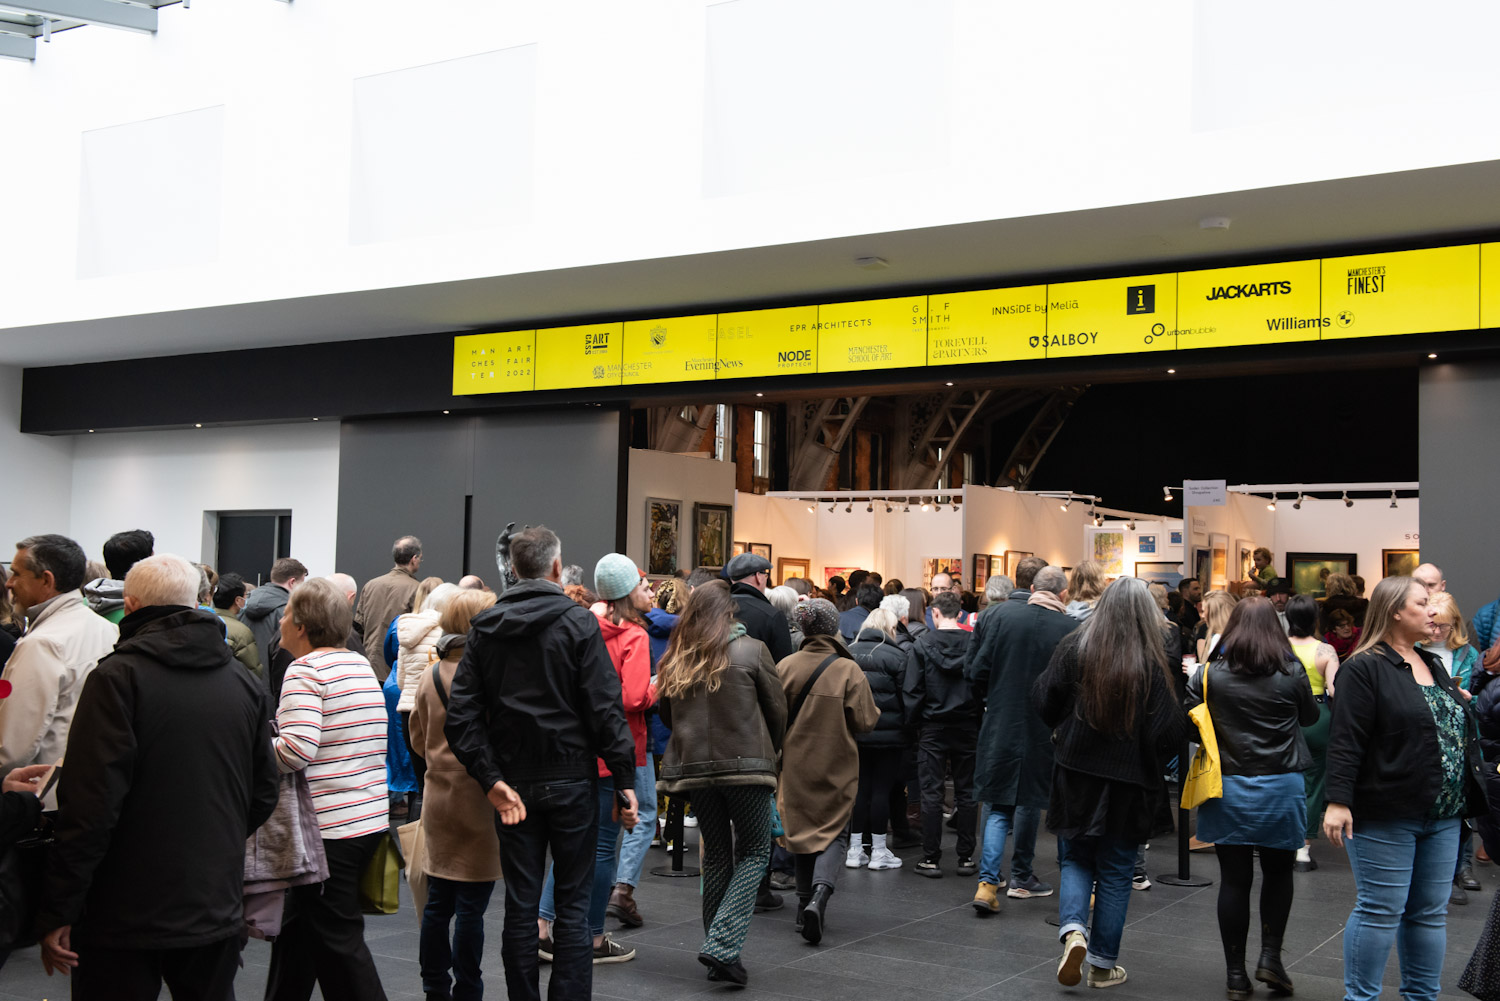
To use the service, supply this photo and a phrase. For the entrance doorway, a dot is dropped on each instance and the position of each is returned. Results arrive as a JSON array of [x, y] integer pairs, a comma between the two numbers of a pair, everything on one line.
[[248, 542]]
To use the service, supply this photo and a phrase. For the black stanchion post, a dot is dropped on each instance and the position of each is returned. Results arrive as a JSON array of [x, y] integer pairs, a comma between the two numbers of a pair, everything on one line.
[[1184, 874], [674, 835]]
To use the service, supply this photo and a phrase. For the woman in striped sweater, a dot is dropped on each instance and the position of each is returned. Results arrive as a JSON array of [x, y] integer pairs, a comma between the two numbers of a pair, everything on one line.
[[332, 725]]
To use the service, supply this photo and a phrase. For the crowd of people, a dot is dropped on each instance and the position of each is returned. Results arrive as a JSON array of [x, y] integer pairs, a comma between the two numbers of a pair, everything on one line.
[[532, 731]]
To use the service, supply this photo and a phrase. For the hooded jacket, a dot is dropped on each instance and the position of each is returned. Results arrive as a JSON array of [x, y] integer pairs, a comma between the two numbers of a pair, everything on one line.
[[262, 613], [935, 691], [106, 597], [535, 697], [169, 770], [241, 642], [884, 662], [630, 651], [659, 626], [417, 635]]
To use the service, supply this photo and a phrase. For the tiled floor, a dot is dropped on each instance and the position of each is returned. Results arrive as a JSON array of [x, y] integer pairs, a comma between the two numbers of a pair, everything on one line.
[[894, 935]]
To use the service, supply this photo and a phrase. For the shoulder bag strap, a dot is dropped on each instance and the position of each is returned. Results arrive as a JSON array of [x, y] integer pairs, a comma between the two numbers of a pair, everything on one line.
[[807, 689], [437, 683]]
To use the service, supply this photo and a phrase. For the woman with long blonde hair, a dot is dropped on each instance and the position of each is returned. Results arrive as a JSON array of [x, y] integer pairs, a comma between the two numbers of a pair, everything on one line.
[[1217, 607], [720, 694]]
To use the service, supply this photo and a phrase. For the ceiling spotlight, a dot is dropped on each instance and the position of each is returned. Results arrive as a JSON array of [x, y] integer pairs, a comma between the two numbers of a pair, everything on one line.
[[1347, 501], [926, 506], [1393, 498], [888, 507], [955, 507], [1272, 506], [870, 508], [1297, 504], [1166, 494], [849, 508], [813, 507], [1130, 525], [831, 507], [1065, 504], [907, 508], [1098, 519]]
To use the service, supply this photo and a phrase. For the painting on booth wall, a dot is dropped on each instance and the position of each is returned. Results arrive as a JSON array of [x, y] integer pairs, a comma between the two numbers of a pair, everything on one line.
[[1399, 562], [790, 566], [711, 535], [1013, 558], [831, 572], [663, 531], [739, 549], [981, 572], [1108, 550], [761, 549], [1308, 572]]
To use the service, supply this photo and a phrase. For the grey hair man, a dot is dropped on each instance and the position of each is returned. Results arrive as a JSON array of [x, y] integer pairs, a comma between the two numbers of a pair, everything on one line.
[[997, 589], [1013, 642], [346, 585], [51, 662], [1430, 577], [386, 597]]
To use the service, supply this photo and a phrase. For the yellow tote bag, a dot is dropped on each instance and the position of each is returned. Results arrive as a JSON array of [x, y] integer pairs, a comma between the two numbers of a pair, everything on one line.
[[1205, 779]]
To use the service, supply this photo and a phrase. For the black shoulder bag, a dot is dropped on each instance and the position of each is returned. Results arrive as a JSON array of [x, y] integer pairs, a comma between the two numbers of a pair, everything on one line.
[[791, 716]]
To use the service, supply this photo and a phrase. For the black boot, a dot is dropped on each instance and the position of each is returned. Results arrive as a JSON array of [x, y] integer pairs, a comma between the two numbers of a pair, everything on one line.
[[1237, 986], [1268, 969], [801, 906], [814, 916]]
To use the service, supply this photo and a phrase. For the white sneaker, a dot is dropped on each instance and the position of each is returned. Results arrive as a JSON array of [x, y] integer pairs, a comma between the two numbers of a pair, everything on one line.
[[690, 821], [882, 858], [1304, 854], [856, 857]]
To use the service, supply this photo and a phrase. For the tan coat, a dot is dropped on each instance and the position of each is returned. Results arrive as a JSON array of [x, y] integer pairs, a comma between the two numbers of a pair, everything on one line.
[[458, 821], [380, 601], [819, 759]]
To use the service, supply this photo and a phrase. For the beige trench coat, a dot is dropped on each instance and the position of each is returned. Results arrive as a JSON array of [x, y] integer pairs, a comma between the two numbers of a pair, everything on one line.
[[819, 759]]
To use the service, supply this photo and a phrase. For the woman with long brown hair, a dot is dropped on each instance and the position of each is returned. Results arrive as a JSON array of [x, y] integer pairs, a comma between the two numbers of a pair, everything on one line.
[[1111, 702], [1260, 698], [1403, 768], [721, 696]]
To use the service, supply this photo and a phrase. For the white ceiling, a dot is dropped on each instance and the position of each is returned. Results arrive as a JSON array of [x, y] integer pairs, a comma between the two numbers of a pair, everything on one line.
[[1414, 206]]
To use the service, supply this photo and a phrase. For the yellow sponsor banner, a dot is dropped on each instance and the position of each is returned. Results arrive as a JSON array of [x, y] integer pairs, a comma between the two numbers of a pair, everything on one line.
[[494, 363], [579, 357], [763, 342], [1261, 304], [1111, 316], [874, 333], [1489, 285], [680, 349], [1409, 292], [1003, 324]]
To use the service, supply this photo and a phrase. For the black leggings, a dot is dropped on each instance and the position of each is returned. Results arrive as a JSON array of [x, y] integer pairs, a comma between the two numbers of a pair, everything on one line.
[[872, 803], [1236, 874]]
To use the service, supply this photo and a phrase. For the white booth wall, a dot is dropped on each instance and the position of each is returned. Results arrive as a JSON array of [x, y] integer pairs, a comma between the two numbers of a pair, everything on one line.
[[691, 479], [996, 519]]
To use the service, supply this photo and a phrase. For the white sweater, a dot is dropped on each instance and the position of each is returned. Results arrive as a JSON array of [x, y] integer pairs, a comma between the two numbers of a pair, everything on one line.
[[418, 634]]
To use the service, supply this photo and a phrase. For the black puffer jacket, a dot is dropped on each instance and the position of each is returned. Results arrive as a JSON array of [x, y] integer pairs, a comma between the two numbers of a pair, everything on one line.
[[936, 692], [536, 697], [884, 664], [763, 621]]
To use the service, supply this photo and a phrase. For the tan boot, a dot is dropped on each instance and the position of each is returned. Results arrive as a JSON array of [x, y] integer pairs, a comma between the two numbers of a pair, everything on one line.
[[622, 906], [987, 899]]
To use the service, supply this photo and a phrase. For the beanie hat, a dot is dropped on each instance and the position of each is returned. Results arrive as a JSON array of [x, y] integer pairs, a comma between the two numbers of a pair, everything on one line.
[[615, 576], [817, 617]]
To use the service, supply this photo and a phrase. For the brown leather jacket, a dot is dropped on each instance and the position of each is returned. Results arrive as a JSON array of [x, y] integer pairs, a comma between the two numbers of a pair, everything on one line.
[[731, 736]]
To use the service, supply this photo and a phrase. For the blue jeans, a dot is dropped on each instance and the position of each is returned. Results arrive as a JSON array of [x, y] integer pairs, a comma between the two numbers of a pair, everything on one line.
[[1102, 866], [1024, 821], [563, 816], [464, 905], [633, 844], [605, 844], [1403, 872]]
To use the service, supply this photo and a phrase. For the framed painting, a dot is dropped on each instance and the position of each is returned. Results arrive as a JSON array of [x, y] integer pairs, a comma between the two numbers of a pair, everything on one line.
[[1244, 563], [1399, 562], [789, 566], [1169, 574], [1309, 571], [663, 536], [831, 572], [934, 565], [1107, 548], [712, 525], [1202, 562], [1014, 556], [761, 549], [1218, 574], [738, 549], [981, 572]]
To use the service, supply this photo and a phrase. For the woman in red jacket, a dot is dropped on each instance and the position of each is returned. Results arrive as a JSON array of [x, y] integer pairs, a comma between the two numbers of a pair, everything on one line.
[[624, 598]]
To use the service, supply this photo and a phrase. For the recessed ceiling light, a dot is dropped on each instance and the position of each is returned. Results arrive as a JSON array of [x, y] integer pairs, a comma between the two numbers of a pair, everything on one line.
[[760, 394], [1171, 371], [314, 418], [91, 430], [1432, 354], [445, 411], [197, 425], [949, 383]]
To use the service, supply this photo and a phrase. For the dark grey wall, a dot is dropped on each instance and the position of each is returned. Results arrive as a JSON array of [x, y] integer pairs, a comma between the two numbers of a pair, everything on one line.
[[1458, 412], [412, 476]]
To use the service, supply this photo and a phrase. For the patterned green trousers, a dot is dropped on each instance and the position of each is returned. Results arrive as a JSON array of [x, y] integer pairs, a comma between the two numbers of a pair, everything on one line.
[[735, 825]]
